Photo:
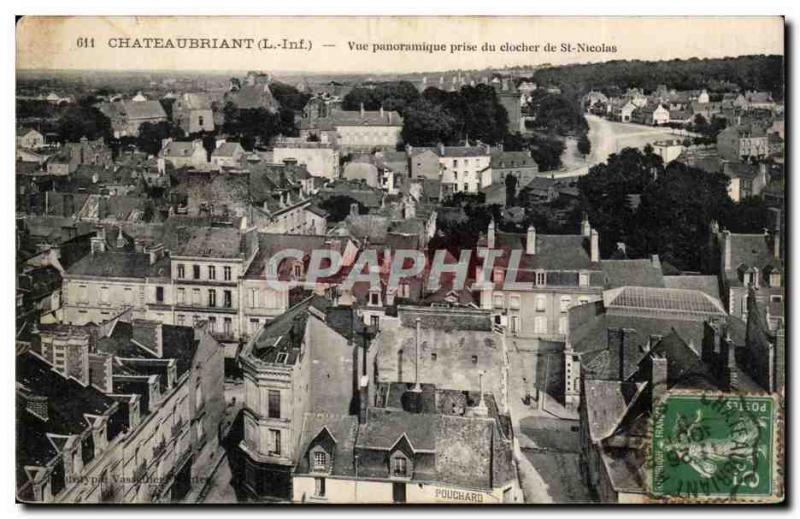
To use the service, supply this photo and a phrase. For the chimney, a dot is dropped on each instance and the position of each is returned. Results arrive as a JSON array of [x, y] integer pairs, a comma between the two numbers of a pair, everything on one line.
[[728, 361], [381, 111], [658, 377], [161, 166], [594, 246], [354, 209], [586, 228], [363, 399], [480, 409], [726, 250], [98, 243], [776, 244], [156, 252], [655, 261], [530, 241], [362, 110], [490, 237], [441, 149], [417, 345]]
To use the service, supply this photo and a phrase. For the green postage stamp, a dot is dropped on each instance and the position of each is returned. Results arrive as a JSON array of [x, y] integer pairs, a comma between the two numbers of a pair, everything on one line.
[[714, 446]]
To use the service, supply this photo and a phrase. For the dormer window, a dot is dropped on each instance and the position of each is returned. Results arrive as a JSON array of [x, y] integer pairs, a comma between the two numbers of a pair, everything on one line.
[[775, 278], [399, 466], [319, 461]]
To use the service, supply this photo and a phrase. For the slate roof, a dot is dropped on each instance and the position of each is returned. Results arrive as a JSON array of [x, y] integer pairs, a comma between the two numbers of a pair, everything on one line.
[[118, 264], [343, 429], [356, 118], [282, 337], [752, 250], [178, 149], [210, 242], [512, 159], [270, 244], [672, 302], [706, 284], [555, 252], [227, 149], [632, 272], [67, 403], [607, 402]]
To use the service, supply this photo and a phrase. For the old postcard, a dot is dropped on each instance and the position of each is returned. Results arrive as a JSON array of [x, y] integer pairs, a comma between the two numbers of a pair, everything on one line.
[[388, 260]]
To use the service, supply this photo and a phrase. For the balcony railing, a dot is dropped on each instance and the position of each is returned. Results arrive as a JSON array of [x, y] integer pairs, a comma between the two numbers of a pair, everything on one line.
[[160, 448], [177, 428]]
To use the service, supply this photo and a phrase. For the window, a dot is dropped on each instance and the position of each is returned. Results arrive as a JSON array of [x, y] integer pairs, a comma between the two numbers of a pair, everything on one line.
[[253, 298], [228, 299], [775, 279], [499, 301], [541, 279], [562, 324], [374, 321], [128, 297], [196, 296], [466, 186], [212, 272], [541, 303], [583, 300], [455, 163], [513, 302], [228, 326], [374, 298], [181, 320], [319, 487], [83, 294], [474, 359], [159, 294], [226, 273], [181, 296], [540, 324], [320, 460], [274, 403], [181, 271], [104, 295], [776, 299], [433, 356], [254, 325], [196, 271], [399, 467], [583, 279], [212, 298], [200, 120], [275, 442], [566, 301], [212, 324]]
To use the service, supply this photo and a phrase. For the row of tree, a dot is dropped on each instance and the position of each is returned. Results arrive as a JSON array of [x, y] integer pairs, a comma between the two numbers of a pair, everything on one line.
[[675, 206]]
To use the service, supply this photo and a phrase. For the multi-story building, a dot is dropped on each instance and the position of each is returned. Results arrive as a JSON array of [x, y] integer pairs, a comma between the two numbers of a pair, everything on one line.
[[127, 116], [320, 159], [519, 164], [185, 154], [742, 142], [307, 362], [532, 295], [355, 130], [464, 168], [127, 411], [81, 153], [192, 113], [749, 260]]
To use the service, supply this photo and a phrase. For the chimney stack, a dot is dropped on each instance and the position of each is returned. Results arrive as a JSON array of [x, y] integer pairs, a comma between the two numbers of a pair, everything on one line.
[[354, 209], [417, 344], [363, 399], [586, 228], [594, 242], [490, 237], [658, 377], [726, 250], [362, 110], [530, 241]]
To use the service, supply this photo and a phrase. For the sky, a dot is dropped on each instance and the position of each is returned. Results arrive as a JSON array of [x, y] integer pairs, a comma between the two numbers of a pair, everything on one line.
[[65, 43]]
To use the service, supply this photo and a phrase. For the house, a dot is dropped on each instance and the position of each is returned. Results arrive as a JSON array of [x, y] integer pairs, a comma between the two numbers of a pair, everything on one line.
[[75, 154], [746, 179], [538, 278], [424, 163], [750, 260], [651, 115], [320, 159], [742, 142], [356, 130], [28, 138], [185, 154], [519, 164], [227, 155], [192, 113], [127, 116], [252, 93], [305, 363], [622, 110], [113, 406], [464, 168], [608, 338]]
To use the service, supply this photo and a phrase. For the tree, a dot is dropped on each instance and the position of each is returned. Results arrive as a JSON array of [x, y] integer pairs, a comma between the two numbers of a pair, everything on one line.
[[288, 96], [555, 113], [151, 135], [584, 145], [546, 151], [255, 127], [427, 124], [391, 95], [511, 190], [83, 121]]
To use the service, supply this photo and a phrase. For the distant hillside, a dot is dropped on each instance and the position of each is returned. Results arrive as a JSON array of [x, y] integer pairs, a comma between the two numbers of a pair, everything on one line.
[[747, 72]]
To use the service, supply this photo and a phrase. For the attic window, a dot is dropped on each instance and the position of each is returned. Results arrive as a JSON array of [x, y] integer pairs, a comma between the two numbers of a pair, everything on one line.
[[282, 358], [320, 461]]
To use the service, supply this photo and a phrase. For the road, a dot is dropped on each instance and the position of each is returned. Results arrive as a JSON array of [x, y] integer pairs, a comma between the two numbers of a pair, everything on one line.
[[609, 137]]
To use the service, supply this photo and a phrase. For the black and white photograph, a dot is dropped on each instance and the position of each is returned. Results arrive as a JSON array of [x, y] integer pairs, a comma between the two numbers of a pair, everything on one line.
[[398, 260]]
